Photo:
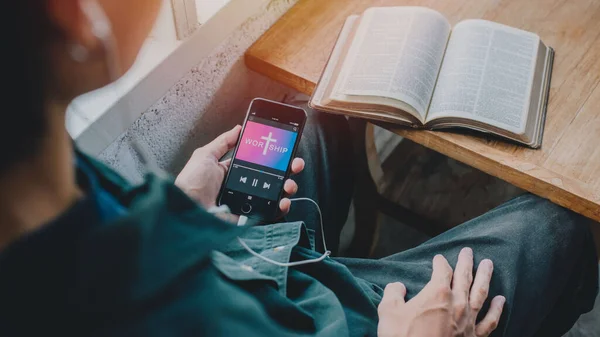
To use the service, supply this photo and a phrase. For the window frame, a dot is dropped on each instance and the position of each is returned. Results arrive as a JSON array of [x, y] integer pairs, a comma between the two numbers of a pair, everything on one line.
[[186, 17]]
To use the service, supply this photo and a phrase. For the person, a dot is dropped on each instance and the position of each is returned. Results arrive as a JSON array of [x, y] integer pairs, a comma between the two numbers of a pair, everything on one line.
[[84, 253]]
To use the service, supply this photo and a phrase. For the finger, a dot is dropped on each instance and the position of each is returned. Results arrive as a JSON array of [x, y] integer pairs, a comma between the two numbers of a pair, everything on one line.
[[442, 272], [297, 165], [290, 187], [490, 322], [223, 143], [463, 277], [231, 218], [393, 296], [225, 164], [481, 285], [284, 206]]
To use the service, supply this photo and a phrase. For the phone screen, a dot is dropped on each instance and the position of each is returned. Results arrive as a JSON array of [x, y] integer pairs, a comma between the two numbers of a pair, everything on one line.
[[260, 164]]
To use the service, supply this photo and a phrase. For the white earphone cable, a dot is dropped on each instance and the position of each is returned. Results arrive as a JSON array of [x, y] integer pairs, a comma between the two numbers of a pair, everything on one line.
[[320, 218], [243, 220], [282, 264]]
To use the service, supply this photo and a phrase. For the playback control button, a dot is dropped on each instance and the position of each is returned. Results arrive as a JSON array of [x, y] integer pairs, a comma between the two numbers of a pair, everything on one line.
[[246, 208]]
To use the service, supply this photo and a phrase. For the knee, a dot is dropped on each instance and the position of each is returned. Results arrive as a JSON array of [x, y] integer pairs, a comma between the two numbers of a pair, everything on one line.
[[545, 224], [556, 240]]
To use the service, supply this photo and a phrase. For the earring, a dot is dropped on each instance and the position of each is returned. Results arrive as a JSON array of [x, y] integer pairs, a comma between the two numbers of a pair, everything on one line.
[[79, 53]]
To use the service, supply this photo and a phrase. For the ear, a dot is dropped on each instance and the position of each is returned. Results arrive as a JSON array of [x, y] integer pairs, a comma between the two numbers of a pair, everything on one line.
[[69, 18]]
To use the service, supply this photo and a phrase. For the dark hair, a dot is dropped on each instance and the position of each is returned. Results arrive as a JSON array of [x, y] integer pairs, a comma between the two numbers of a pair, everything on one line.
[[26, 32]]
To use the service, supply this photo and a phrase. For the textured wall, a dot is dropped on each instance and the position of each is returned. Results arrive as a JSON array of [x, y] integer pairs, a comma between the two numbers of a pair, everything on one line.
[[210, 99]]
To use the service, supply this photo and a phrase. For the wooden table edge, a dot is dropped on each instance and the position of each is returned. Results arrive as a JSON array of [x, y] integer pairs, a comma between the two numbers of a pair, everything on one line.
[[277, 74]]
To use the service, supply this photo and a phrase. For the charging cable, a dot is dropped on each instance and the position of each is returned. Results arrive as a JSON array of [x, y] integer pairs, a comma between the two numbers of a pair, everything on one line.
[[243, 220]]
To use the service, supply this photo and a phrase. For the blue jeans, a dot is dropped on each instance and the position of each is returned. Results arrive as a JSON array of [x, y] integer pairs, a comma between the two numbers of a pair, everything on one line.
[[544, 257]]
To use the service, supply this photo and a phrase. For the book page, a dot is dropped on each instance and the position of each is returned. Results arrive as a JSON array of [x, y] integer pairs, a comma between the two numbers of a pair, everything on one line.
[[487, 75], [334, 58], [397, 53]]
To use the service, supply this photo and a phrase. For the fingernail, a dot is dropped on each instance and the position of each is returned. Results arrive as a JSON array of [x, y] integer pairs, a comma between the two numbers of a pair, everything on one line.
[[468, 250], [502, 300], [488, 264]]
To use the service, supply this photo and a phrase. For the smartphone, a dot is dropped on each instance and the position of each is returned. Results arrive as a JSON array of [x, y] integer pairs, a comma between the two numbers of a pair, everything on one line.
[[262, 159]]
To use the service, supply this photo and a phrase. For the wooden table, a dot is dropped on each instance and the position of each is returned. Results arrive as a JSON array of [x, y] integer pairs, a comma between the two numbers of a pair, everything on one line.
[[565, 170]]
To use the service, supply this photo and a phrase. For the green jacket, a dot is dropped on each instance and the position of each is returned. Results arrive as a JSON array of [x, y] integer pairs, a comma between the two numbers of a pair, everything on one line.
[[168, 268]]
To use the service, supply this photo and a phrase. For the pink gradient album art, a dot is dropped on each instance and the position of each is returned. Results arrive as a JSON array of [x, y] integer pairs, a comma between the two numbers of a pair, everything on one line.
[[266, 145]]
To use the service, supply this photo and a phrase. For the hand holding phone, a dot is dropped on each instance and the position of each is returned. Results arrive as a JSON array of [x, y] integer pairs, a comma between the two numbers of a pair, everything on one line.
[[203, 174], [262, 160], [202, 177]]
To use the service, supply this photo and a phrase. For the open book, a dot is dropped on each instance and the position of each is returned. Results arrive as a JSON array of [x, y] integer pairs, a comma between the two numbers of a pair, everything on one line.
[[407, 65]]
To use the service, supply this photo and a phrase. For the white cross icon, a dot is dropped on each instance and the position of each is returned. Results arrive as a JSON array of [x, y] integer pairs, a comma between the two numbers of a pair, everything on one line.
[[269, 140]]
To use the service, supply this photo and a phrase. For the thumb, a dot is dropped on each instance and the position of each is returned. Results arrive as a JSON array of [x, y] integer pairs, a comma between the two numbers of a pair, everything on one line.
[[225, 142], [393, 294]]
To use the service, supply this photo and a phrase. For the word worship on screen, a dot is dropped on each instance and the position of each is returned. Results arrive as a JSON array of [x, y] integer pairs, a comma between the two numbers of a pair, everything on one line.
[[266, 145], [262, 158]]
